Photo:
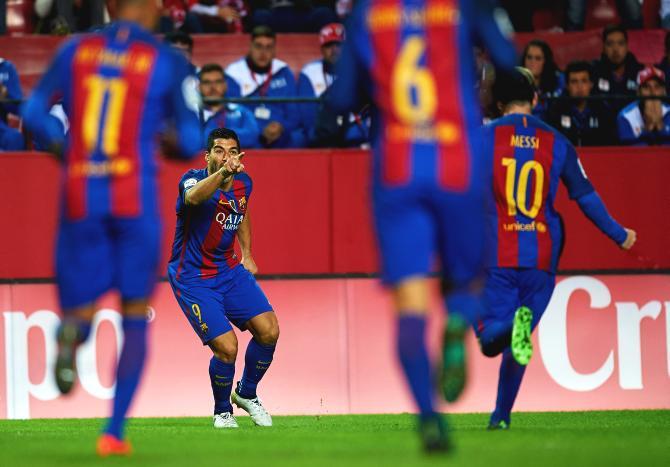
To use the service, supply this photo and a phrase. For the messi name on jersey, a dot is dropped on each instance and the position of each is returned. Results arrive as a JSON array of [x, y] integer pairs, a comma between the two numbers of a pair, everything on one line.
[[525, 142]]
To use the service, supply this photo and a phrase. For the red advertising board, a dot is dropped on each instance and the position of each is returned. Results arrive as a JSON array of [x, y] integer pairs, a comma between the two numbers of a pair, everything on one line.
[[604, 343]]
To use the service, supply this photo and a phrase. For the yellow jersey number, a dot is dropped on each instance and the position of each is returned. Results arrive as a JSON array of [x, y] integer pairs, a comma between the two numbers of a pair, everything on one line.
[[97, 88], [517, 200], [409, 79]]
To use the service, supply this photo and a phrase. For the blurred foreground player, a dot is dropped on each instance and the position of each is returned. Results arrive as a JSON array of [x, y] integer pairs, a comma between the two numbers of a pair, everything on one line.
[[529, 160], [414, 59], [119, 87], [214, 288]]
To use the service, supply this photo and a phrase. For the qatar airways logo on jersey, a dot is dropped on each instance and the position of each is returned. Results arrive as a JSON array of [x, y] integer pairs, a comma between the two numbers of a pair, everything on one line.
[[230, 221]]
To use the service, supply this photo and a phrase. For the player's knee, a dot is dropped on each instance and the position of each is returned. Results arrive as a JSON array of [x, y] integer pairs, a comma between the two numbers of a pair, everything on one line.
[[225, 350], [269, 335]]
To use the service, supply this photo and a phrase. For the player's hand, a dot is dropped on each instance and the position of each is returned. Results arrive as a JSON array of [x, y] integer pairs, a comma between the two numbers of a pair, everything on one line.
[[631, 237], [249, 264], [228, 14], [3, 91], [232, 165], [272, 132]]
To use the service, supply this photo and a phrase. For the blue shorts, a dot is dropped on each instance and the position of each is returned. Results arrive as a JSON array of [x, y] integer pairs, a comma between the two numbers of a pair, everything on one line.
[[414, 226], [507, 289], [94, 256], [210, 306]]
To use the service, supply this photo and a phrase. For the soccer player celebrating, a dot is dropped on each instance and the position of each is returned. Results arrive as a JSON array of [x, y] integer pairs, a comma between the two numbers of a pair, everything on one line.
[[119, 88], [415, 61], [213, 287], [529, 159]]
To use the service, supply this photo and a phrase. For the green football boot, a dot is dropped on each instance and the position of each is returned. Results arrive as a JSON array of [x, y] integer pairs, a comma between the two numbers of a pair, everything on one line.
[[500, 425], [522, 344], [434, 434], [454, 358]]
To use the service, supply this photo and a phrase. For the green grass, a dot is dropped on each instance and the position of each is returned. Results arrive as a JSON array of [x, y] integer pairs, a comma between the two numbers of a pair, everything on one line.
[[625, 438]]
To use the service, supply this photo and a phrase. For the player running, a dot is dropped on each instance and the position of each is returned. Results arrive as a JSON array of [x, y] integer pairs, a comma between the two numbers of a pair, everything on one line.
[[119, 87], [213, 287], [414, 59], [529, 159]]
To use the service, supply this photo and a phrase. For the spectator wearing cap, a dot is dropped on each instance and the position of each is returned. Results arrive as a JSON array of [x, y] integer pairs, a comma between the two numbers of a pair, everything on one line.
[[215, 114], [10, 89], [260, 74], [616, 70], [583, 122], [647, 121], [314, 79]]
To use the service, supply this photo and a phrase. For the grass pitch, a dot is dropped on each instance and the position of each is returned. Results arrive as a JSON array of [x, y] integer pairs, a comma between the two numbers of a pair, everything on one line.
[[623, 438]]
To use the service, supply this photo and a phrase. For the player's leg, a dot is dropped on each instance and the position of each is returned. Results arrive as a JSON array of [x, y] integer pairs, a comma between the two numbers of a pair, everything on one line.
[[535, 290], [136, 244], [248, 308], [500, 301], [83, 256], [406, 264], [203, 308], [461, 244]]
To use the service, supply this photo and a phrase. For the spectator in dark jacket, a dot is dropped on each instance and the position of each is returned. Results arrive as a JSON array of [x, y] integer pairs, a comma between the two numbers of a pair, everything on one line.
[[584, 122], [664, 64], [294, 15], [616, 71]]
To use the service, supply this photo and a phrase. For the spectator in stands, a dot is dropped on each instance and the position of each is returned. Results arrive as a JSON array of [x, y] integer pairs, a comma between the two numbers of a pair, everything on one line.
[[583, 122], [665, 15], [207, 16], [69, 16], [539, 59], [182, 42], [313, 81], [219, 115], [664, 64], [260, 75], [646, 122], [294, 15], [617, 69], [630, 12], [10, 88]]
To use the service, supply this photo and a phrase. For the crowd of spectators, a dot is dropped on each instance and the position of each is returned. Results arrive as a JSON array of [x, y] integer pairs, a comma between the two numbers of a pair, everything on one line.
[[613, 99]]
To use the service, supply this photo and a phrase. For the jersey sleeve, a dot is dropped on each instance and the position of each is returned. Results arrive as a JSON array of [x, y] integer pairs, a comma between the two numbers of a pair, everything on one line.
[[348, 92], [187, 181], [35, 112], [492, 25], [185, 104], [574, 176]]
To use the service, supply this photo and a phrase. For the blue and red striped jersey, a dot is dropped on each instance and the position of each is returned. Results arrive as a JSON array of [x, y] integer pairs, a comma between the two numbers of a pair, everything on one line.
[[204, 238], [414, 60], [120, 88], [529, 158]]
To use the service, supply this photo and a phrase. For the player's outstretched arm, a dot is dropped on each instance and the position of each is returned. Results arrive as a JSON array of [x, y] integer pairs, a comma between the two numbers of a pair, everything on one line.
[[205, 188], [244, 237], [594, 208]]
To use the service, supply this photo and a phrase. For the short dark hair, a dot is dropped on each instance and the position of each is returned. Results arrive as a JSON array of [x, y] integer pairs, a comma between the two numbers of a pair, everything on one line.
[[179, 37], [221, 133], [517, 85], [263, 31], [578, 66], [209, 67], [612, 28]]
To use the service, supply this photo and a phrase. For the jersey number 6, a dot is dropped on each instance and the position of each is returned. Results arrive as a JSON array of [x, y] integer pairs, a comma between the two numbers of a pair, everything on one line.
[[413, 86]]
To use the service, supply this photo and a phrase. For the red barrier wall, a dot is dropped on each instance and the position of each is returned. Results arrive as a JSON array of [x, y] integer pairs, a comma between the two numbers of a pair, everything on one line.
[[310, 211], [604, 343]]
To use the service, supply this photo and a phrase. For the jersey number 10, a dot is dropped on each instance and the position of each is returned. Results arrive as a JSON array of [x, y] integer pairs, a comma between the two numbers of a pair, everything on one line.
[[517, 201]]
